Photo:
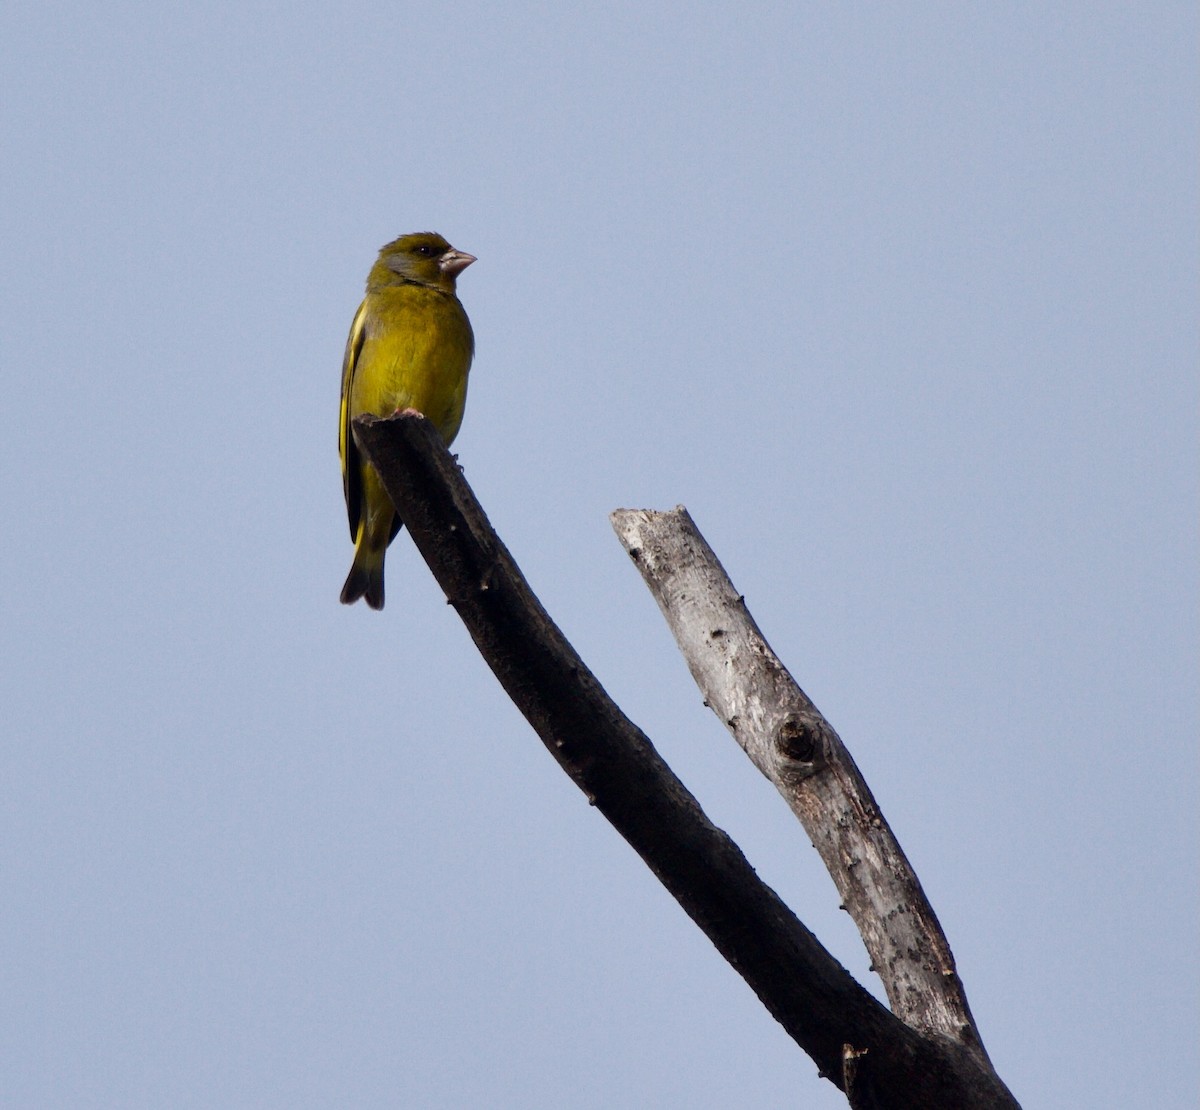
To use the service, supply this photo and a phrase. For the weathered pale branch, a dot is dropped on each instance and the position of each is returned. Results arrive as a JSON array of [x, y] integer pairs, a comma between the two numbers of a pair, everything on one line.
[[788, 740], [614, 764]]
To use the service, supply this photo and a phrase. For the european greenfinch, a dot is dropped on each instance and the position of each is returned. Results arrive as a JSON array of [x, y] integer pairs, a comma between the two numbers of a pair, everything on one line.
[[410, 347]]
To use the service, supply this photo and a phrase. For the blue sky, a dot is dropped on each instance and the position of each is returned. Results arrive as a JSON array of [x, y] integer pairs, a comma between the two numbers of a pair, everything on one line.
[[900, 302]]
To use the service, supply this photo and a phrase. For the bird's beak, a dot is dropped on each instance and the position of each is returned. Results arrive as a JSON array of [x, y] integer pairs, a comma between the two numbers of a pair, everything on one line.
[[454, 262]]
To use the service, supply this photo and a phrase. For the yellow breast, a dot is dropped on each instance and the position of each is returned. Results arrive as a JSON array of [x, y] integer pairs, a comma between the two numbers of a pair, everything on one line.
[[416, 353]]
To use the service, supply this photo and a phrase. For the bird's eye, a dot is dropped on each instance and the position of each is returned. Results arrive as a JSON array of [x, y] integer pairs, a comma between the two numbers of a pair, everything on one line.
[[426, 251]]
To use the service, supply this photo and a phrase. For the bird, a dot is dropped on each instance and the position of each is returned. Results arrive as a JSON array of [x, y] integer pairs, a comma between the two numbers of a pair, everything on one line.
[[410, 347]]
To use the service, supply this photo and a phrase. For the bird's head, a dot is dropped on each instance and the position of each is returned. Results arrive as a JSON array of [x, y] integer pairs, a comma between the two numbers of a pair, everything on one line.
[[424, 258]]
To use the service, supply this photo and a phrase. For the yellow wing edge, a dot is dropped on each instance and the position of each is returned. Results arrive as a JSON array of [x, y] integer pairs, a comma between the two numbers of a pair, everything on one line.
[[347, 451]]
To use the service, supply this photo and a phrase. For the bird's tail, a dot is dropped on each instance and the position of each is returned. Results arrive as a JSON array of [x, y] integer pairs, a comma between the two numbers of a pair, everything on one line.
[[366, 576]]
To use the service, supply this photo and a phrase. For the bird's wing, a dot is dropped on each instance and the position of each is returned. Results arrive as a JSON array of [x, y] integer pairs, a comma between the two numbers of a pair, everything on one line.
[[351, 475]]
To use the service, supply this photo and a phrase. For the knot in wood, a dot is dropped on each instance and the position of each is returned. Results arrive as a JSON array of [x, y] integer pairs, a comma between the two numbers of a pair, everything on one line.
[[799, 741]]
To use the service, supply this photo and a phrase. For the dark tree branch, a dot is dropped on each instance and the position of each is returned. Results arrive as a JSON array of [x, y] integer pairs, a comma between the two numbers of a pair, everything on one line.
[[614, 764], [784, 734]]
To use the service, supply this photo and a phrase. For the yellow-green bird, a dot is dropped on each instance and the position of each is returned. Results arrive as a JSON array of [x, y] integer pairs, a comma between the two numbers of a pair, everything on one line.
[[410, 347]]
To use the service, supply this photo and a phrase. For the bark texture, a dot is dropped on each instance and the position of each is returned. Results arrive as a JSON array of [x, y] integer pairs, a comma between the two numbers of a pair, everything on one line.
[[789, 741]]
